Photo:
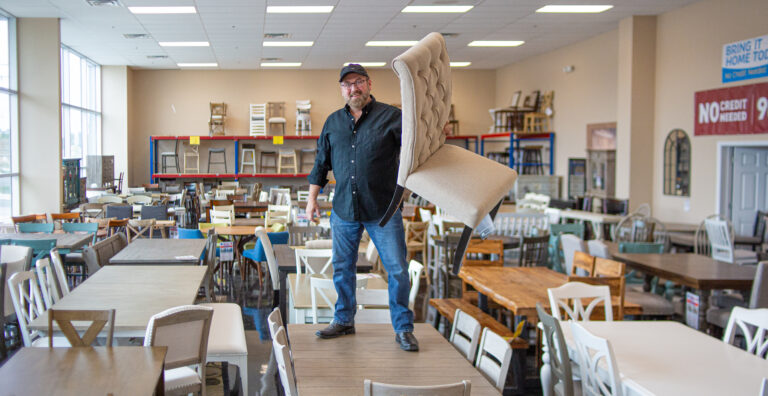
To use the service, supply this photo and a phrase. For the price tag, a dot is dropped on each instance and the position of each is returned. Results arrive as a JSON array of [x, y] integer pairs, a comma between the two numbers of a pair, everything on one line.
[[227, 251], [194, 140], [277, 140]]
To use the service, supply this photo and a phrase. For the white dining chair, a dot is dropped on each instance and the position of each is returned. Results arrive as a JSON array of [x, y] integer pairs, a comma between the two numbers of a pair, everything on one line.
[[415, 269], [371, 388], [325, 288], [139, 200], [575, 292], [372, 306], [109, 199], [222, 217], [571, 244], [28, 305], [753, 325], [493, 358], [764, 388], [598, 248], [557, 368], [274, 321], [47, 282], [721, 242], [314, 261], [597, 379], [465, 334], [277, 214], [61, 274], [283, 357]]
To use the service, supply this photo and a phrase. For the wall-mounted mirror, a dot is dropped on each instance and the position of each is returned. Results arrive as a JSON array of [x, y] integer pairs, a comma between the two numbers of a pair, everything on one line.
[[677, 164]]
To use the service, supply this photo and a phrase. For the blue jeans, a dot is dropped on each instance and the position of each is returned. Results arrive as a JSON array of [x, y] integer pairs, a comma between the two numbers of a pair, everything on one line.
[[390, 242]]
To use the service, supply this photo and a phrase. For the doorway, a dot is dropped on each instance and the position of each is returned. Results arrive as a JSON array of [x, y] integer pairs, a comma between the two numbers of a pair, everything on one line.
[[744, 185]]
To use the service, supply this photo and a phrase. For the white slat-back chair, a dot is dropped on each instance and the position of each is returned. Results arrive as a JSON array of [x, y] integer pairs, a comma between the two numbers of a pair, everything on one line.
[[559, 298], [465, 334], [753, 325], [597, 379]]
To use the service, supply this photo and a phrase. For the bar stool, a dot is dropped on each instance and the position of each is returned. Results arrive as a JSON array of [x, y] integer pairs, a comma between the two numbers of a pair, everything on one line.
[[290, 155], [532, 162], [303, 155], [248, 149], [276, 111], [266, 155], [211, 152], [174, 155], [193, 154]]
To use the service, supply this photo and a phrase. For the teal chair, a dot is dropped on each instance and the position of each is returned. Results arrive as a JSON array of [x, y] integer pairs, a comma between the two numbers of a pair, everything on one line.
[[35, 227], [41, 248], [81, 228], [555, 253]]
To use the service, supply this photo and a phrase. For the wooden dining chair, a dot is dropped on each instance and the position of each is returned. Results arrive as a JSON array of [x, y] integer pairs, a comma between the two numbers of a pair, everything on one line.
[[493, 358], [415, 239], [33, 218], [284, 362], [568, 299], [44, 228], [582, 261], [137, 229], [371, 388], [62, 218], [753, 326], [98, 318], [597, 362], [299, 235], [465, 334]]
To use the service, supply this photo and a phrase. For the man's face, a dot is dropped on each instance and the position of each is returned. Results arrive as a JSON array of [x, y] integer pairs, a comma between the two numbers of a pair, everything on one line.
[[356, 90]]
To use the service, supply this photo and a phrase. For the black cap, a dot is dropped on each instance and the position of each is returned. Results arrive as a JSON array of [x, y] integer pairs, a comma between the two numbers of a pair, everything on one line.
[[352, 68]]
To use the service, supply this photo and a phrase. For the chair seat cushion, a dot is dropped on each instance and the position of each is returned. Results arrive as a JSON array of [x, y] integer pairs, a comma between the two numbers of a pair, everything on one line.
[[254, 254], [276, 120], [480, 183], [741, 256], [181, 377], [718, 316], [652, 304], [227, 334]]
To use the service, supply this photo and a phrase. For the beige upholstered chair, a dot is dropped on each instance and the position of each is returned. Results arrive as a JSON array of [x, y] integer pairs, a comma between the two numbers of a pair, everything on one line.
[[465, 185]]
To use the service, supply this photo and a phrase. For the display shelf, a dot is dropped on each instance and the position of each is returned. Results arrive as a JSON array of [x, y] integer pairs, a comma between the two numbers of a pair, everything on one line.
[[226, 175], [514, 146], [466, 139]]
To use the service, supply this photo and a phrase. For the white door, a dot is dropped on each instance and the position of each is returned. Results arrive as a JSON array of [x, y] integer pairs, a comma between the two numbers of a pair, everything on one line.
[[750, 182]]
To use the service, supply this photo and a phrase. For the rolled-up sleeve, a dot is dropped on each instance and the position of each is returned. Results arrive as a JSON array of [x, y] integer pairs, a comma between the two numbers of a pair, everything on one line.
[[319, 174]]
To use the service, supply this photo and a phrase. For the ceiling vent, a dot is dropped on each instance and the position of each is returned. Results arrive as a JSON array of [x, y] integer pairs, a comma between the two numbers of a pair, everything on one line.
[[132, 36], [271, 59], [276, 35], [450, 35], [157, 56], [104, 3]]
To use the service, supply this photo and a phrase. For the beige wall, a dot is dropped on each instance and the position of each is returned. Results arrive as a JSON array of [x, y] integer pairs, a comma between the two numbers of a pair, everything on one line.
[[688, 59], [39, 115], [585, 96], [173, 102], [114, 115]]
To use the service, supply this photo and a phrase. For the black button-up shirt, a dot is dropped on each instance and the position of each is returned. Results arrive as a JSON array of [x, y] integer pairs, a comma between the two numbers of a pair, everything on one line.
[[363, 156]]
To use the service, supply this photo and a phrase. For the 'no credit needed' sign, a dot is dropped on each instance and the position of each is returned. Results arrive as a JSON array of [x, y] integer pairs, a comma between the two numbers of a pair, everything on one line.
[[731, 111]]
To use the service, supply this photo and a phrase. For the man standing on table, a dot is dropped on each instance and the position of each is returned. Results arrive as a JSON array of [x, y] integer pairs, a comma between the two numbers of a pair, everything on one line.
[[360, 143]]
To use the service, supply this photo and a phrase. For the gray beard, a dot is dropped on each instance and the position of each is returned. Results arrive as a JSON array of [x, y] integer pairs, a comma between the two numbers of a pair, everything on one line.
[[358, 102]]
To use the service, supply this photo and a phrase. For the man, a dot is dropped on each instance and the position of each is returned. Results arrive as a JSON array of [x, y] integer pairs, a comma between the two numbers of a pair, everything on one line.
[[361, 143]]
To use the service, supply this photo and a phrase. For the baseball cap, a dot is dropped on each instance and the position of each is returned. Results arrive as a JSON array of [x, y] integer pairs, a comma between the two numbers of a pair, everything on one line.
[[352, 68]]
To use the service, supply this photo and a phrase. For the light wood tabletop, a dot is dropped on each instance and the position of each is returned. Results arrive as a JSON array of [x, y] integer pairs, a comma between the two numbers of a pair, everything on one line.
[[135, 292], [668, 358], [339, 366], [129, 370], [520, 288], [63, 240], [241, 230], [161, 251]]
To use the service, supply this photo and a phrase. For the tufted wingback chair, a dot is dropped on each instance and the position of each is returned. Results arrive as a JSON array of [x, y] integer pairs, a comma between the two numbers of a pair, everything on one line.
[[466, 185]]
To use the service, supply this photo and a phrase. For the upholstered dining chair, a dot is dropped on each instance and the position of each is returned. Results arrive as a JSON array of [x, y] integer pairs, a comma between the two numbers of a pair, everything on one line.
[[465, 185]]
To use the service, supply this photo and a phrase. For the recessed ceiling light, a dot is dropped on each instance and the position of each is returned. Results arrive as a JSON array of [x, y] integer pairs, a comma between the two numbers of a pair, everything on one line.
[[288, 43], [369, 64], [277, 35], [495, 43], [390, 43], [280, 64], [162, 10], [438, 8], [184, 43], [460, 64], [299, 9], [213, 64], [575, 8]]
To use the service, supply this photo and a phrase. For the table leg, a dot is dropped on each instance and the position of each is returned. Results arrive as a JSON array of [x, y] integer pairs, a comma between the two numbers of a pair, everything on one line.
[[160, 387], [482, 302], [703, 306], [282, 292]]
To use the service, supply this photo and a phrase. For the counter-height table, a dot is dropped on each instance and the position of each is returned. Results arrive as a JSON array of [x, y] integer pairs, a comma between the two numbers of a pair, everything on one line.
[[97, 371], [136, 292], [161, 251], [339, 366]]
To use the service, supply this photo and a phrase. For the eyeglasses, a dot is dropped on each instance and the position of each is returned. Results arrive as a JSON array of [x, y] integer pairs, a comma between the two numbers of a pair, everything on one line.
[[359, 83]]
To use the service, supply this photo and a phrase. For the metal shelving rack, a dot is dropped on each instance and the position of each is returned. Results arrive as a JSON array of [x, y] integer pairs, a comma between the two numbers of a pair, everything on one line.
[[515, 138]]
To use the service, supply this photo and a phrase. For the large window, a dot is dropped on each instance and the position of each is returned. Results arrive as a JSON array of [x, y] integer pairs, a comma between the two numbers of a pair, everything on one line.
[[9, 146], [80, 106]]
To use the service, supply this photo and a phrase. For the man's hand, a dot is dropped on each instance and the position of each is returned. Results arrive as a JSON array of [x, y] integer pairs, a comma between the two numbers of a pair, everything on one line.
[[312, 209]]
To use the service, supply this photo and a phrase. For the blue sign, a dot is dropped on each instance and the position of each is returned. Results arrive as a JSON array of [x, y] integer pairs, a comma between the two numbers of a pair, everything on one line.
[[745, 59]]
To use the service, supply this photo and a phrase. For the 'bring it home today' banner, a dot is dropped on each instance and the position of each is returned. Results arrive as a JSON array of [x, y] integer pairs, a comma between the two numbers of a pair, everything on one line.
[[745, 59], [732, 111]]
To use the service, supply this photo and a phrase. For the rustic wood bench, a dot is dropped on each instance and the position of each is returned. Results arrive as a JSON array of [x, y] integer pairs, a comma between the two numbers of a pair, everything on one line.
[[446, 307]]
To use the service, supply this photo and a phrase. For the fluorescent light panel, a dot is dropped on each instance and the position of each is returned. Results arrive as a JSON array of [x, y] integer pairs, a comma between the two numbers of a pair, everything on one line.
[[574, 8], [390, 43], [280, 64], [460, 64], [438, 8], [495, 43], [299, 9], [162, 10], [369, 64], [184, 43], [214, 64], [288, 43]]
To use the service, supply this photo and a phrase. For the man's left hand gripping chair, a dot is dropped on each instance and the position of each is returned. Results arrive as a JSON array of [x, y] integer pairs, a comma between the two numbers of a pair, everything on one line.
[[465, 185]]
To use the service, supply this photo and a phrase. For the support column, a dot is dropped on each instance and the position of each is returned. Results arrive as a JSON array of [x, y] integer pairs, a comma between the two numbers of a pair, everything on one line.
[[115, 120]]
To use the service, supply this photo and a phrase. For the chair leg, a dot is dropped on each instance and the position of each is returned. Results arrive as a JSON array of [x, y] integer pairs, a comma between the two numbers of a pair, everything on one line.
[[461, 248], [393, 205]]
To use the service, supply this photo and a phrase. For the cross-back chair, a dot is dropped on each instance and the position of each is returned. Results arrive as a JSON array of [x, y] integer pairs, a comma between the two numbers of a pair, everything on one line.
[[98, 318]]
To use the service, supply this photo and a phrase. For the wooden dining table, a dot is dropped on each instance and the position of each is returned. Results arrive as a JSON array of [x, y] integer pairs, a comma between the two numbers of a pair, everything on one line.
[[339, 366], [97, 371], [668, 358], [300, 297], [161, 251], [136, 292], [598, 220], [64, 241]]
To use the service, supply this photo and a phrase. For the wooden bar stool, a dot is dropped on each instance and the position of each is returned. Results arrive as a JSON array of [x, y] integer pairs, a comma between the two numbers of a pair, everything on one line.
[[304, 158], [290, 155], [532, 162], [248, 149], [267, 155], [222, 152], [193, 156]]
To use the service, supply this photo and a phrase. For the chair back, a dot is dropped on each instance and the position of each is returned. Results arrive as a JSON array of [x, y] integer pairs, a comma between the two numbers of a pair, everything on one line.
[[109, 199], [598, 248], [61, 275], [489, 252], [616, 285], [326, 290], [639, 228], [574, 292], [46, 228], [583, 264], [33, 218], [284, 362], [641, 247], [157, 212], [64, 218], [534, 251], [555, 232], [119, 211], [118, 226], [46, 279], [274, 321], [222, 217], [279, 196], [184, 330], [222, 193], [140, 229], [493, 358], [518, 224], [139, 200], [753, 325], [720, 239], [27, 303], [16, 259], [465, 334], [299, 235], [570, 245], [265, 244], [40, 247], [98, 318], [81, 228], [371, 388], [372, 306], [189, 233], [98, 255], [597, 377], [556, 350], [314, 261], [759, 295], [415, 270], [277, 214]]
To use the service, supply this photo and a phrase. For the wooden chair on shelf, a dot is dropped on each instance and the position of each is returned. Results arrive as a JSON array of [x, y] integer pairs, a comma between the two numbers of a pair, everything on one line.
[[303, 120], [192, 158], [276, 112], [539, 121], [248, 149], [258, 119], [217, 120], [98, 318], [290, 156]]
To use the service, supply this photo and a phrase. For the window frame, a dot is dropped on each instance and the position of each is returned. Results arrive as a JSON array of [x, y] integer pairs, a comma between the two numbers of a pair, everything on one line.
[[90, 94], [13, 115]]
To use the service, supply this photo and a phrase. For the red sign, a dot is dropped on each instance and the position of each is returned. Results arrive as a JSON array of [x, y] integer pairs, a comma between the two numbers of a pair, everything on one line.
[[732, 111]]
